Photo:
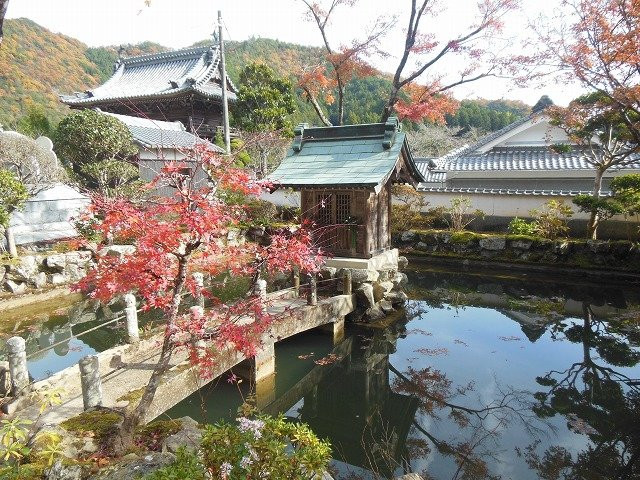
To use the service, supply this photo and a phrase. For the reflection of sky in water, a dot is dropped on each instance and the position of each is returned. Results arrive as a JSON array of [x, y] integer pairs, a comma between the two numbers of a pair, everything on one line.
[[59, 358], [489, 362]]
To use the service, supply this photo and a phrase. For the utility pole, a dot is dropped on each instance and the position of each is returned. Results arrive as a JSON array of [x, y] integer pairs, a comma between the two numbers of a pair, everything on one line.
[[223, 76]]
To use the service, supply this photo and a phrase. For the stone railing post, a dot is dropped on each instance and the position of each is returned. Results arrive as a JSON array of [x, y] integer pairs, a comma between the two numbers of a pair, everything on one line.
[[18, 365], [198, 343], [312, 296], [346, 282], [296, 281], [198, 279], [90, 381], [130, 311]]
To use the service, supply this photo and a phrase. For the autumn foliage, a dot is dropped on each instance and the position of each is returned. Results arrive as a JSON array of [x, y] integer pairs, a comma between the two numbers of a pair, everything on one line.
[[177, 236]]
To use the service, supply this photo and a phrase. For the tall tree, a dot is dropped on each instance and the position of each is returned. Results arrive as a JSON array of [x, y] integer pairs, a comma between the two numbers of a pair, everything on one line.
[[175, 237], [345, 62], [419, 89], [262, 111]]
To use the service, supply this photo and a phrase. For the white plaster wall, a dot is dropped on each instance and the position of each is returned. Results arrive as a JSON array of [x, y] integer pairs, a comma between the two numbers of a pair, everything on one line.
[[283, 198], [48, 215]]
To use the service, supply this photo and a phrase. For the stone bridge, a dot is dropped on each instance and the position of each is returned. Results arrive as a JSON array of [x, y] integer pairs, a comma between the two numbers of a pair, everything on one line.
[[124, 371]]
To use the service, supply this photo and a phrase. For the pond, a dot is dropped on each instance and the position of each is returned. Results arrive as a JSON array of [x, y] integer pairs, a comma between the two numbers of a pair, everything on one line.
[[482, 375]]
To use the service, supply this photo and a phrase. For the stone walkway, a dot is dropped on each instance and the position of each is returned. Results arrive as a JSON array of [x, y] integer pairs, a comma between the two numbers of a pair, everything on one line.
[[126, 369]]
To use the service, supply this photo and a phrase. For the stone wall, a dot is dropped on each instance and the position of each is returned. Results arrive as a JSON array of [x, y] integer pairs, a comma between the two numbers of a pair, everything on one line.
[[39, 271], [623, 256]]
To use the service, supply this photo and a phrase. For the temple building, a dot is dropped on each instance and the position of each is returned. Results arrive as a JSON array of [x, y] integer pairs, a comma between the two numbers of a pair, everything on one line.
[[182, 85], [345, 174]]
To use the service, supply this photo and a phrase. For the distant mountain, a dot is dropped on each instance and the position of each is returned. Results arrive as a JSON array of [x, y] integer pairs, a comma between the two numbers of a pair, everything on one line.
[[36, 65]]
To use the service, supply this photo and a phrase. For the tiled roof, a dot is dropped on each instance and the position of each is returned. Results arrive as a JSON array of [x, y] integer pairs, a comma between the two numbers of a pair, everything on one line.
[[352, 155], [156, 134], [160, 75], [509, 159], [423, 187]]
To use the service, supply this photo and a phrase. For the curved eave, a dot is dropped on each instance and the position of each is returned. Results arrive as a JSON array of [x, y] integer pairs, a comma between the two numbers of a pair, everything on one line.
[[93, 101]]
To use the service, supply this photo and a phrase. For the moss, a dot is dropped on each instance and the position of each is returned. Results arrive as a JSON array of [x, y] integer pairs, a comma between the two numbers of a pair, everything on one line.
[[133, 397], [99, 422], [464, 236], [522, 238], [28, 471], [153, 435]]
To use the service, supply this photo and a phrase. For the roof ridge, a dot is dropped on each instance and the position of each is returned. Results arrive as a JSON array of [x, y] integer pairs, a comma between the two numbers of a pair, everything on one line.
[[154, 57]]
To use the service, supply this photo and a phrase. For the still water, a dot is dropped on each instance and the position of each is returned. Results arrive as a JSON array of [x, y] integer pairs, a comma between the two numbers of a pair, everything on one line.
[[488, 375], [482, 375]]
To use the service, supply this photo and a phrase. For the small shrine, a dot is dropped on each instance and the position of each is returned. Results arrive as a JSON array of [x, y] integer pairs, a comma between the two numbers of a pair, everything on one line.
[[345, 175], [182, 85]]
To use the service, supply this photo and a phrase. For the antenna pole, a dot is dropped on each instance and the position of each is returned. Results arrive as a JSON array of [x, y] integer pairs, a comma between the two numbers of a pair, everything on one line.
[[223, 77]]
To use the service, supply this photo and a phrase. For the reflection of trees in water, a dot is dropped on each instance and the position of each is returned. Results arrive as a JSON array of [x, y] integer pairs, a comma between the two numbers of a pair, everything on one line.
[[598, 399]]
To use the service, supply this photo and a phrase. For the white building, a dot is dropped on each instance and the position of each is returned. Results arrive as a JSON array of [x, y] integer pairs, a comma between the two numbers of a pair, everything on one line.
[[513, 170]]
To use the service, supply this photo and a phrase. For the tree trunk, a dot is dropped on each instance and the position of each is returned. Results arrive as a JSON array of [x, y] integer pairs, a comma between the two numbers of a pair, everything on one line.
[[388, 109], [340, 103], [10, 241], [3, 11], [594, 219], [316, 106], [124, 439]]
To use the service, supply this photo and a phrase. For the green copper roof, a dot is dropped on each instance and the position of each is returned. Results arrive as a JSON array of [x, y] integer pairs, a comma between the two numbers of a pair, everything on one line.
[[346, 156]]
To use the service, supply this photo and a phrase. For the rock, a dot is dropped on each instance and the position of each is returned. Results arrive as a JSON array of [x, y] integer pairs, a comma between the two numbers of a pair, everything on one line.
[[388, 286], [409, 476], [136, 468], [598, 246], [400, 279], [386, 306], [403, 262], [422, 246], [378, 292], [29, 263], [375, 313], [361, 275], [38, 280], [74, 272], [5, 379], [63, 472], [521, 244], [409, 237], [493, 243], [386, 274], [364, 295], [17, 288], [189, 436], [57, 279], [117, 250], [56, 263], [328, 272], [396, 297]]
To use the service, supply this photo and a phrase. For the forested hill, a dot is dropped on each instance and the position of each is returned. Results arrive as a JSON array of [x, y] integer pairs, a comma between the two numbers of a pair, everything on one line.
[[36, 65]]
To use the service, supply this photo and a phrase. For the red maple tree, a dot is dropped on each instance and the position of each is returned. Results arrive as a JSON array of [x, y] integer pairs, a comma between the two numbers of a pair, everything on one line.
[[177, 236], [421, 85]]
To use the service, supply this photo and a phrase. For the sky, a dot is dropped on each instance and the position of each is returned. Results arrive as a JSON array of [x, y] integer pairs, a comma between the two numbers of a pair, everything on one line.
[[180, 23]]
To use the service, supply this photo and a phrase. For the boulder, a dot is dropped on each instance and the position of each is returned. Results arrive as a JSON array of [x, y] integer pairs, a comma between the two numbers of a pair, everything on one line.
[[386, 306], [57, 279], [403, 262], [135, 467], [409, 476], [117, 250], [56, 263], [5, 379], [396, 297], [63, 472], [598, 246], [17, 288], [493, 243], [388, 286], [189, 436], [400, 279], [409, 237], [39, 280], [378, 292], [327, 272], [375, 313], [422, 246], [521, 244], [364, 295], [361, 275], [74, 272]]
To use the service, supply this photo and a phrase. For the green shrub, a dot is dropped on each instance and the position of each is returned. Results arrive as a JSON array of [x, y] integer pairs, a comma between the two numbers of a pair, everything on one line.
[[552, 219], [263, 447], [520, 226], [261, 212]]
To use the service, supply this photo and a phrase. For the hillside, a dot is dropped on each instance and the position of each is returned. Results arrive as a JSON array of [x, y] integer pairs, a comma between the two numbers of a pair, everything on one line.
[[36, 65]]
